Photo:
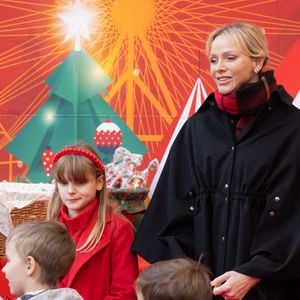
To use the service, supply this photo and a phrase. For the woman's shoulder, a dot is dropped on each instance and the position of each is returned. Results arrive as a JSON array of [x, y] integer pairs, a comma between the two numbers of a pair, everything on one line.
[[202, 118], [283, 95], [286, 106]]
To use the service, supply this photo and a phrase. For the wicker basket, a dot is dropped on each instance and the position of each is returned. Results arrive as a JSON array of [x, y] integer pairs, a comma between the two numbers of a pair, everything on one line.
[[36, 211]]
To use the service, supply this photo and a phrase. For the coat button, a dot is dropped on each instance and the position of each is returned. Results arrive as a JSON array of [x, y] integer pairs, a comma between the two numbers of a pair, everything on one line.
[[223, 238], [232, 148], [277, 199], [272, 214], [226, 186], [192, 208], [190, 194], [226, 199]]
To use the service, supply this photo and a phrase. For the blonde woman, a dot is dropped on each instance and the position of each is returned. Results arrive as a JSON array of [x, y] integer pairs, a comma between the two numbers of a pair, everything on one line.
[[230, 188]]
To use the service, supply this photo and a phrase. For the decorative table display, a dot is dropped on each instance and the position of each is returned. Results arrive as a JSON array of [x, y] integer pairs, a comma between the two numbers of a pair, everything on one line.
[[126, 183]]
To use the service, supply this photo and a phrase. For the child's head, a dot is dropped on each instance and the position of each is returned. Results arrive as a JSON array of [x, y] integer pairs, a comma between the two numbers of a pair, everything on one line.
[[79, 180], [179, 278], [39, 254]]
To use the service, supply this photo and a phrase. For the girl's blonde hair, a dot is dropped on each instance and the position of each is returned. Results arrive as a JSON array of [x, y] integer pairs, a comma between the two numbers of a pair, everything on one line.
[[78, 168], [248, 37]]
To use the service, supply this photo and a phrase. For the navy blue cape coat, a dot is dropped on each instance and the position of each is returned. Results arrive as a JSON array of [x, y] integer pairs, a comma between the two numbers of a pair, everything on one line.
[[236, 203]]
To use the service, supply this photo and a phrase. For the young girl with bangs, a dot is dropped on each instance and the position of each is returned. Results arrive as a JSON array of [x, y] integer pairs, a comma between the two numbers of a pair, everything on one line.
[[104, 267]]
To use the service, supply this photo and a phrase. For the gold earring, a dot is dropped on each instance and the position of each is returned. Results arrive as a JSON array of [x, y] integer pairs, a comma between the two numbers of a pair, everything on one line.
[[256, 70]]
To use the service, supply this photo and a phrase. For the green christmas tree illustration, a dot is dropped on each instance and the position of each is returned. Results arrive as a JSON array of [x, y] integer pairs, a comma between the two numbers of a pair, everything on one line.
[[74, 111]]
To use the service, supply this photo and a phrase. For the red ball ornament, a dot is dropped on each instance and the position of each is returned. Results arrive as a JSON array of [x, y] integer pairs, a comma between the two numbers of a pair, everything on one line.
[[108, 137]]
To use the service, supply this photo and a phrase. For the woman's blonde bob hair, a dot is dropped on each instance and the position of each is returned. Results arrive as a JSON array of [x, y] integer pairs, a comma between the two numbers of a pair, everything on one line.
[[78, 168], [248, 37]]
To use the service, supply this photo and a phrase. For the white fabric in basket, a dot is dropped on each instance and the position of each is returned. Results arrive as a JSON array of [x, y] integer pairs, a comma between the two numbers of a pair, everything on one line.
[[19, 195]]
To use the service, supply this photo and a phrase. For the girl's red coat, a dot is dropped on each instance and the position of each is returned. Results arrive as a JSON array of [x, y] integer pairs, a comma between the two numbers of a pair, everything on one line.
[[108, 271]]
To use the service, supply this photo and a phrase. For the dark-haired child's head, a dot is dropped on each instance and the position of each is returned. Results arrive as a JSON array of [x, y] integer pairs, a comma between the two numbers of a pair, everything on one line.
[[174, 279]]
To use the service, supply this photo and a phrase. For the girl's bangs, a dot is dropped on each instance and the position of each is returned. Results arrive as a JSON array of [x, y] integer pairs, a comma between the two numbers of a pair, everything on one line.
[[76, 169]]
